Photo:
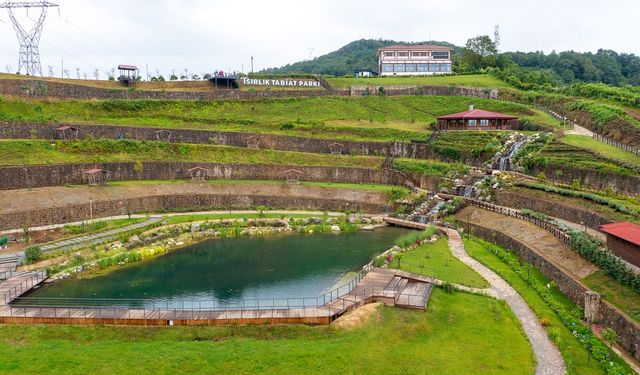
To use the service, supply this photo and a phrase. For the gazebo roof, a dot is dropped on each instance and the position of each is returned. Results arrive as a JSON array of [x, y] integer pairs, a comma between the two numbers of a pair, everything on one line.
[[478, 114], [95, 171], [163, 131], [197, 168], [292, 171], [66, 127]]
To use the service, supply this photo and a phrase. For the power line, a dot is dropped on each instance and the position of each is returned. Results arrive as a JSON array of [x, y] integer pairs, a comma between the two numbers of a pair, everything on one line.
[[98, 40]]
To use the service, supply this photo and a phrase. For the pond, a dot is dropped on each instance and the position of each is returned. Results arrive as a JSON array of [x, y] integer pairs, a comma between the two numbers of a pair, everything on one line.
[[232, 270]]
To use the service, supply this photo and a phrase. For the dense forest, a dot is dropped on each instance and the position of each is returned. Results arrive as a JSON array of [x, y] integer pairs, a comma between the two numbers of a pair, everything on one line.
[[604, 66]]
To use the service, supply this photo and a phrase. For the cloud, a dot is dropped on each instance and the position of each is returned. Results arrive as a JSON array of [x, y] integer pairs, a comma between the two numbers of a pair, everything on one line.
[[205, 35]]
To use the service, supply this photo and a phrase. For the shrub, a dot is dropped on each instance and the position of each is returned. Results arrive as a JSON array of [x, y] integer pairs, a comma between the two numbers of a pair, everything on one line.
[[33, 254], [415, 236]]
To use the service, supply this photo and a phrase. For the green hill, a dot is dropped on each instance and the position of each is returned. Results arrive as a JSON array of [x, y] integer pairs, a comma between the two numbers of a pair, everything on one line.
[[357, 55]]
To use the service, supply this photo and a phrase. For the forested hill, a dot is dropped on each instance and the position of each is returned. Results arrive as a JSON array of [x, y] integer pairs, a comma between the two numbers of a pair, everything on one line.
[[604, 66], [357, 55]]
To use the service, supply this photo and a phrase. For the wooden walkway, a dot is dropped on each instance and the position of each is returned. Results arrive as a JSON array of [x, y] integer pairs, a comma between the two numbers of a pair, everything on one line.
[[392, 287], [405, 223]]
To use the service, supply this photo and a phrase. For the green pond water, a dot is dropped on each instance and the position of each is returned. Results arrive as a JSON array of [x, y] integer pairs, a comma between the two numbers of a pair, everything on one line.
[[233, 271]]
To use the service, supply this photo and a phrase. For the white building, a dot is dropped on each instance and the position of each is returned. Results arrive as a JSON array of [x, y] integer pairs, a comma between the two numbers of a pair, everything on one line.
[[414, 60]]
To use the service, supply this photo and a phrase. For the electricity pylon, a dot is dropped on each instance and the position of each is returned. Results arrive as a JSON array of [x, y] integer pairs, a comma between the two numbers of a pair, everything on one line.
[[29, 57]]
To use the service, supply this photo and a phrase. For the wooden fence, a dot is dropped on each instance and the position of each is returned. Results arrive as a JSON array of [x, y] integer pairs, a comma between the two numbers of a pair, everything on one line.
[[611, 142]]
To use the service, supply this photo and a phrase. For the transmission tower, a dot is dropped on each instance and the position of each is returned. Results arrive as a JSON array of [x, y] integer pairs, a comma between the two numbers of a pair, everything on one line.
[[29, 57], [496, 37]]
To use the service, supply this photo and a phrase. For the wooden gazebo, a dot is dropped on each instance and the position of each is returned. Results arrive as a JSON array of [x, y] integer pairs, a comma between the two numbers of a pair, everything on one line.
[[198, 174], [164, 135], [253, 142], [67, 132], [292, 176], [97, 176], [336, 148]]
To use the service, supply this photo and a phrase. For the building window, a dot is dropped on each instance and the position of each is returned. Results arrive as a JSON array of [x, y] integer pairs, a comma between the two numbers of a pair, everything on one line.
[[410, 67], [423, 67], [472, 123], [398, 67], [434, 67], [484, 122], [387, 67], [388, 54], [445, 68], [419, 54], [440, 55], [403, 54]]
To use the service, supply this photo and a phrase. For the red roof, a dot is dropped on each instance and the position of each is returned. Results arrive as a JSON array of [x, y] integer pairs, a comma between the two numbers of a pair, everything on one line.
[[478, 114], [415, 47], [624, 230]]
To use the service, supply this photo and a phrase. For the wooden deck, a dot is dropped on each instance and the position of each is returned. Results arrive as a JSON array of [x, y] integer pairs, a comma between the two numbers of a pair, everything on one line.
[[405, 223], [392, 287]]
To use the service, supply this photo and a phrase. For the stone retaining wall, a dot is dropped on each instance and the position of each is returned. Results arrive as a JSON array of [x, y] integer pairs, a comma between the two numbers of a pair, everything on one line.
[[180, 202], [563, 211], [628, 331], [594, 179], [236, 139], [14, 177]]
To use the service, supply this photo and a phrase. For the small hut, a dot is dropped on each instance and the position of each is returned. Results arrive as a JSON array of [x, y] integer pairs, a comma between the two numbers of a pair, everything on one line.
[[198, 174], [127, 74], [292, 176], [336, 148], [253, 142], [164, 135], [97, 176], [67, 132]]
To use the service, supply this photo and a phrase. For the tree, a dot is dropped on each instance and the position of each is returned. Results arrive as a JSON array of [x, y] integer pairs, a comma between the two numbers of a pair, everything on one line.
[[173, 77], [480, 52], [195, 77]]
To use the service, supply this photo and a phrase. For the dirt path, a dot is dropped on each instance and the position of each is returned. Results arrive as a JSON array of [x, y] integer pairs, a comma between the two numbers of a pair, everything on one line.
[[579, 130], [536, 238], [548, 358]]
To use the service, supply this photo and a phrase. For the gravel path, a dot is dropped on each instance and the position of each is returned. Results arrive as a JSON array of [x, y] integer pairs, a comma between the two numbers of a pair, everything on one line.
[[548, 358], [579, 130]]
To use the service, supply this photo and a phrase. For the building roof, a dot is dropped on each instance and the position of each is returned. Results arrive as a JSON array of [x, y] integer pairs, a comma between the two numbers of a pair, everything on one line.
[[66, 127], [624, 230], [292, 171], [127, 67], [478, 114], [416, 47]]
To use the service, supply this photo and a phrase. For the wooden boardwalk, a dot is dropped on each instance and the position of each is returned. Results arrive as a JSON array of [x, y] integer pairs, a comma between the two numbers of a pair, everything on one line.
[[392, 287], [405, 223]]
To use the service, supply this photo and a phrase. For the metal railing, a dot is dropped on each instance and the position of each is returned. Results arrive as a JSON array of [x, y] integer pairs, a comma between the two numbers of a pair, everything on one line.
[[28, 282], [316, 307], [614, 143]]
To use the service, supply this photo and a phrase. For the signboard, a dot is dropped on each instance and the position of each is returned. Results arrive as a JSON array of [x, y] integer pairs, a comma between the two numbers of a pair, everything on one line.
[[280, 82]]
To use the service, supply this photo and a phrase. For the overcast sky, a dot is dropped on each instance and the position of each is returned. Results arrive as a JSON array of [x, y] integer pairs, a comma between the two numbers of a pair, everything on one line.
[[208, 35]]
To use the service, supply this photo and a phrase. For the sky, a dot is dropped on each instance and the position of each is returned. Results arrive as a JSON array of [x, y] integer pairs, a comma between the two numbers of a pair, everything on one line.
[[208, 35]]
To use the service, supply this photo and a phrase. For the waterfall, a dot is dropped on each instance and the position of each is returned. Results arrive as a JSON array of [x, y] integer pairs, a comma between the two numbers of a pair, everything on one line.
[[504, 162]]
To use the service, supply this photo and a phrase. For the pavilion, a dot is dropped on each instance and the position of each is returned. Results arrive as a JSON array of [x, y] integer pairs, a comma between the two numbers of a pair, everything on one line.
[[476, 119]]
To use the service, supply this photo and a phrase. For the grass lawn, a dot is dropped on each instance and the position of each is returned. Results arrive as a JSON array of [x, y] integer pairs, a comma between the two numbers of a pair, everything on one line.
[[575, 356], [88, 151], [435, 259], [602, 148], [98, 226], [459, 334], [617, 294], [187, 218], [475, 80], [372, 118]]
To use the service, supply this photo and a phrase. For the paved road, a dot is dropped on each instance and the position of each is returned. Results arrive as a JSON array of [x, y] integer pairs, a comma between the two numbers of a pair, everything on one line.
[[548, 358]]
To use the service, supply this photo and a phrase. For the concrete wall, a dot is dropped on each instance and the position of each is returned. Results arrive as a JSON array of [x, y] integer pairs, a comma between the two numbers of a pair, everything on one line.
[[181, 202], [237, 139], [392, 90], [628, 331], [552, 208]]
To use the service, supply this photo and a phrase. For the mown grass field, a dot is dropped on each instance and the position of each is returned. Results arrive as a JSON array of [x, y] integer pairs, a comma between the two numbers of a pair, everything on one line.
[[472, 80], [372, 118], [457, 335], [576, 357], [435, 259]]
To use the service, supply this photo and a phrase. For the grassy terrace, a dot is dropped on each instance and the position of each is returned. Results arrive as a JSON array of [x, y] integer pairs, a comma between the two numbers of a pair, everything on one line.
[[602, 149], [457, 334], [576, 357], [435, 259], [472, 80], [371, 118], [86, 151], [619, 295]]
